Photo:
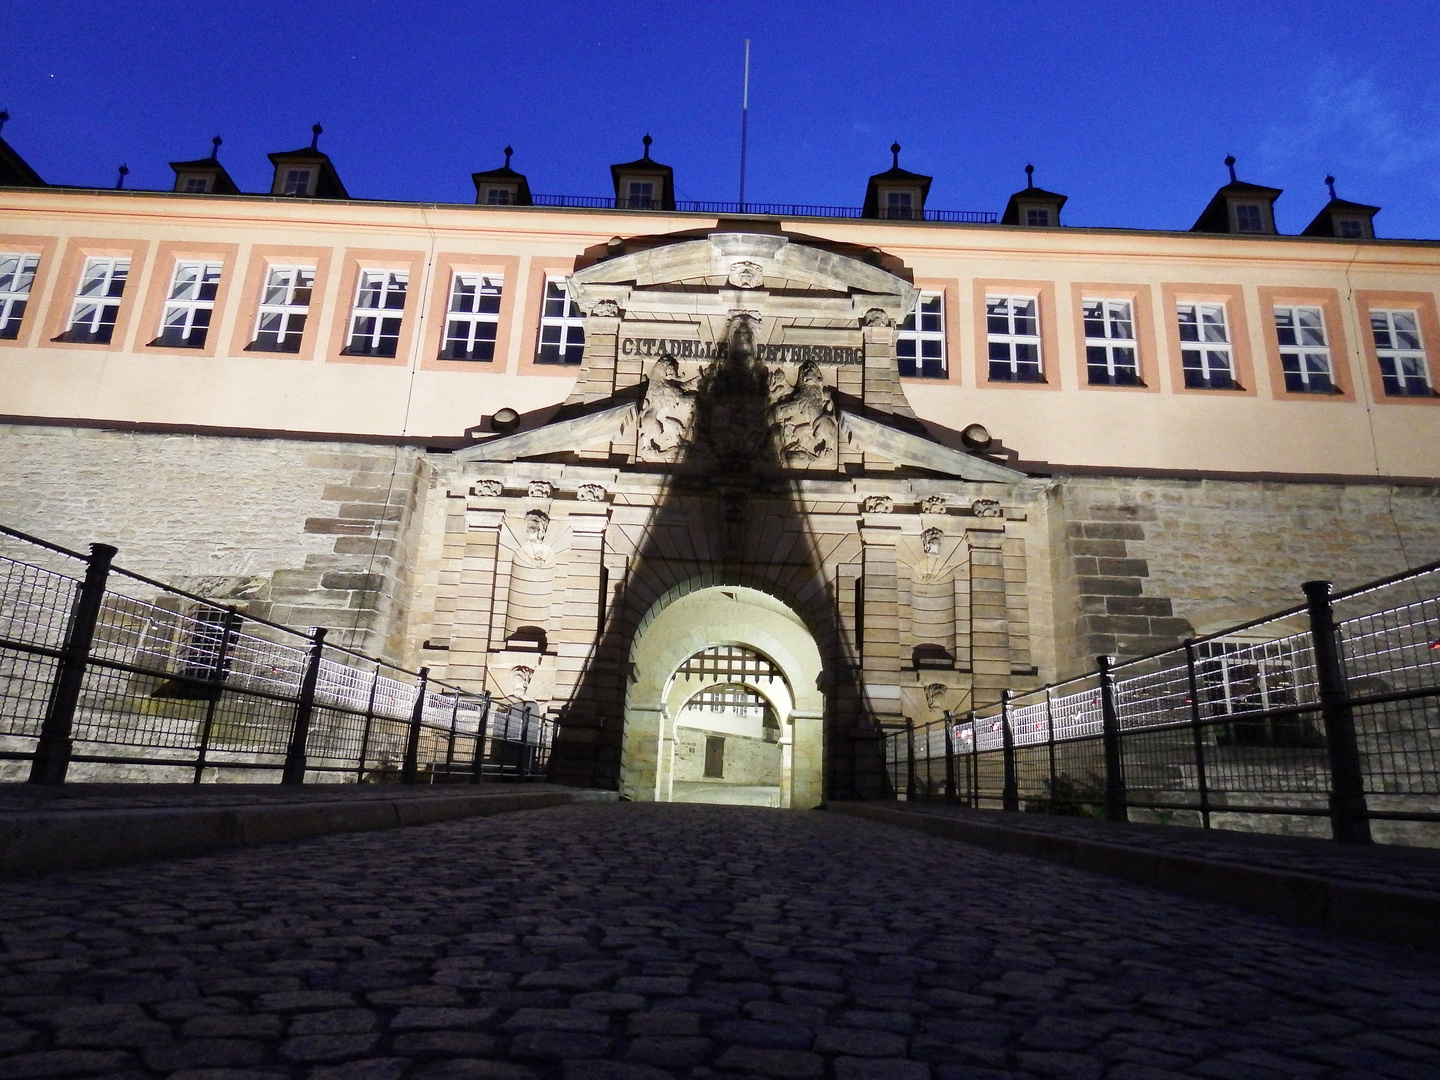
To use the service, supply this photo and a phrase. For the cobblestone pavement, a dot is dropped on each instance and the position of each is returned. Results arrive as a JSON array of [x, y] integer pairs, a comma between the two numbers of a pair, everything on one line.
[[20, 798], [639, 942]]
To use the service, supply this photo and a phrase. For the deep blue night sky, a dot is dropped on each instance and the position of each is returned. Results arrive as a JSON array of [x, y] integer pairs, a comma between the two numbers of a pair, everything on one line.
[[1127, 108]]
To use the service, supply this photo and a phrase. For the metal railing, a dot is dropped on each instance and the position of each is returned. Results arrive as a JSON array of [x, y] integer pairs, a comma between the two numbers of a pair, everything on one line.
[[1327, 711], [702, 206], [111, 675]]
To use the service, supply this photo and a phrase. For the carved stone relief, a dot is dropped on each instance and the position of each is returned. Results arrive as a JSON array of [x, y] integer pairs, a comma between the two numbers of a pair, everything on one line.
[[876, 317], [802, 417], [933, 504], [489, 489], [667, 413], [747, 275], [878, 504], [986, 508], [590, 493], [539, 489], [605, 309], [520, 677], [935, 695]]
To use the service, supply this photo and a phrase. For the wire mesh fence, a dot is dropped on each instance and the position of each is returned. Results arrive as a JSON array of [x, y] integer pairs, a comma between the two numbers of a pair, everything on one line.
[[110, 675], [1322, 720]]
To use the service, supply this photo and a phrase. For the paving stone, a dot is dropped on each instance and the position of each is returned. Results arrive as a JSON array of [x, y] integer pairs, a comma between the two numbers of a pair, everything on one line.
[[674, 1051], [880, 1069], [197, 1053], [788, 1064], [48, 1063], [559, 1045], [368, 1069], [719, 940], [414, 1017], [434, 1044]]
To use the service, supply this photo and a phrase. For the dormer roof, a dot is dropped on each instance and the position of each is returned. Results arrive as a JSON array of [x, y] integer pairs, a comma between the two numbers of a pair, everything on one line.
[[327, 180], [1217, 216], [643, 168], [1032, 196], [1327, 221], [15, 171], [208, 167], [892, 179], [505, 175]]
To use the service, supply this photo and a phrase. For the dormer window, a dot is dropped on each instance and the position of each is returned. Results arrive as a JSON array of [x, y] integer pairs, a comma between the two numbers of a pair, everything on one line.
[[499, 196], [1249, 218], [900, 205], [1037, 216], [1351, 228], [196, 185], [640, 195], [297, 182]]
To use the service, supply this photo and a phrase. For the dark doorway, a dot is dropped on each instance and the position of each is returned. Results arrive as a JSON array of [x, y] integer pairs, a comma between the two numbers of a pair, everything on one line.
[[714, 756]]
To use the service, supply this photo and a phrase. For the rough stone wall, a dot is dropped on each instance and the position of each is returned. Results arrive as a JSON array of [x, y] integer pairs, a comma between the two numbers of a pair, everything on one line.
[[1151, 562], [747, 761], [304, 533]]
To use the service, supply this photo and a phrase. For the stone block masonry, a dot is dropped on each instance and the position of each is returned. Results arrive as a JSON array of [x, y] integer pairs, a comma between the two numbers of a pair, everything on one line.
[[1151, 562], [304, 533]]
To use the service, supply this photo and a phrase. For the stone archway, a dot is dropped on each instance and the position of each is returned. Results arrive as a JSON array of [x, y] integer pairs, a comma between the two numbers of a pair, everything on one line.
[[677, 629]]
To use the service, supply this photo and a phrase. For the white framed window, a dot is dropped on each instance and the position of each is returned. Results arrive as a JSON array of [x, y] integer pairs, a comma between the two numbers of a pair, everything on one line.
[[900, 205], [1401, 353], [97, 303], [196, 185], [379, 309], [473, 320], [296, 182], [190, 305], [1349, 227], [1037, 215], [562, 327], [1205, 354], [640, 195], [17, 277], [1304, 350], [497, 196], [1012, 327], [1110, 348], [1249, 218], [920, 339], [284, 307]]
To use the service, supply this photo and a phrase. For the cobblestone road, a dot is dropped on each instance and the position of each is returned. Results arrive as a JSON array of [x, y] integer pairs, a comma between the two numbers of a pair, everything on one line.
[[640, 942]]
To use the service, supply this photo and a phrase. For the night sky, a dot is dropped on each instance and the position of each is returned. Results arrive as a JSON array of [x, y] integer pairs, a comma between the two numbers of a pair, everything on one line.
[[1127, 108]]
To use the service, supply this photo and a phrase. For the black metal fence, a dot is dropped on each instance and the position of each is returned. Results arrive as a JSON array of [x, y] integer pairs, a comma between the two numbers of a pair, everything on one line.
[[1327, 713], [701, 206], [110, 675]]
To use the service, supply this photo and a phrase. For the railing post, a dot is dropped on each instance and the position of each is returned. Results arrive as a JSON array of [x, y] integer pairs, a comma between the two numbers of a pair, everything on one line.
[[909, 760], [450, 744], [369, 721], [1010, 794], [294, 771], [1349, 818], [974, 762], [410, 770], [1050, 744], [1115, 799], [524, 741], [481, 728], [52, 751], [949, 759], [1198, 729], [228, 627]]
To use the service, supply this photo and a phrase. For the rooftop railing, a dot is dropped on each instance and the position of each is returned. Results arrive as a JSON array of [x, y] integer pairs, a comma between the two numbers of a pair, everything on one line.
[[759, 209]]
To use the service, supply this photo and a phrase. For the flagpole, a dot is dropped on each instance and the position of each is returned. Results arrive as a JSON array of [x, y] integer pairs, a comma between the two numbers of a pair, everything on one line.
[[744, 123]]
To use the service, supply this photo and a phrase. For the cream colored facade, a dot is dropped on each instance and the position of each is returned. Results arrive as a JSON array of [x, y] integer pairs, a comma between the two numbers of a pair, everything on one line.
[[778, 489]]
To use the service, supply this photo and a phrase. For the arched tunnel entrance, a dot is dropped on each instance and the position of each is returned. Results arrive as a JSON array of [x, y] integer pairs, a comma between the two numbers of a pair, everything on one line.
[[724, 705]]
